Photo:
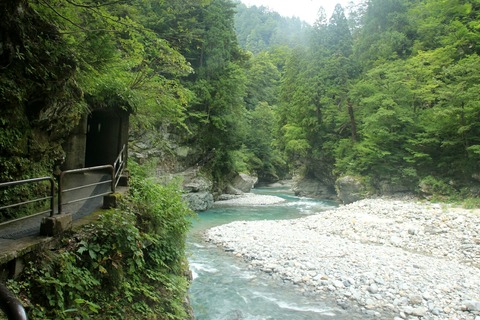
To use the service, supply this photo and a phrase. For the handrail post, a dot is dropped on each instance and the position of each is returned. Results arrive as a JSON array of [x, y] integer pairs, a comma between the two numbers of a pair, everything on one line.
[[113, 178], [60, 192], [119, 164], [52, 197]]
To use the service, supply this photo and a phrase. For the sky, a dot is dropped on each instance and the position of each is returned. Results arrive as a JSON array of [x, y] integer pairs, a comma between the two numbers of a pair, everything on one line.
[[306, 10]]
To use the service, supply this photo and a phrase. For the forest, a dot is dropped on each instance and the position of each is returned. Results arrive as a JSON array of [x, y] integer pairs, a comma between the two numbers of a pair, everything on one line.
[[386, 91]]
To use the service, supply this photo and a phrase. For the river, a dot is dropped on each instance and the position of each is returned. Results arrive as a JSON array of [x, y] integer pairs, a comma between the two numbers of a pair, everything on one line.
[[224, 288]]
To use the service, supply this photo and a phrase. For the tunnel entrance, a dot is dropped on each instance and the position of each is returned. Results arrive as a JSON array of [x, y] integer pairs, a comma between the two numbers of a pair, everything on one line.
[[106, 135]]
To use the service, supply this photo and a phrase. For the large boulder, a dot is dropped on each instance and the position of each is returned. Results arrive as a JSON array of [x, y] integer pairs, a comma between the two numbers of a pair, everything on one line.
[[313, 188], [231, 190], [241, 183], [351, 189], [197, 183], [199, 190], [199, 201]]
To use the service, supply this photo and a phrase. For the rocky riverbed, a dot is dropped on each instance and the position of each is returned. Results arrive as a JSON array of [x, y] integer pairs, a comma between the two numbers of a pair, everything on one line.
[[393, 257]]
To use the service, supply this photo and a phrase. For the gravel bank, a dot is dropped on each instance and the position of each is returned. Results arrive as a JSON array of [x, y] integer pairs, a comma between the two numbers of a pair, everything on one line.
[[383, 256], [247, 199]]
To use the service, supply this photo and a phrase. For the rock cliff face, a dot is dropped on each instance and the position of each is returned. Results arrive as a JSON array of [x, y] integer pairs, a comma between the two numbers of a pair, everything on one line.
[[347, 189], [350, 189], [313, 188], [175, 161], [198, 190], [179, 161]]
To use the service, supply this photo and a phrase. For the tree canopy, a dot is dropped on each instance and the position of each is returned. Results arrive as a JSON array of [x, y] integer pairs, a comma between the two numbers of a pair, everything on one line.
[[391, 96]]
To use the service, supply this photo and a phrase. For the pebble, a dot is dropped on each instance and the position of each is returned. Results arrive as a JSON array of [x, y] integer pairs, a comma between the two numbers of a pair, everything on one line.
[[373, 288], [417, 260]]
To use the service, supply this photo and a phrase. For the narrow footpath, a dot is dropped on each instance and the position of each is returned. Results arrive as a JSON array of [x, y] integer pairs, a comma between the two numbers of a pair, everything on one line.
[[24, 235]]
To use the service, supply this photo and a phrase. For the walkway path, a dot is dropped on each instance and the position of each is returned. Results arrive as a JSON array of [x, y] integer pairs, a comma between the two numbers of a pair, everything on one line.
[[26, 232]]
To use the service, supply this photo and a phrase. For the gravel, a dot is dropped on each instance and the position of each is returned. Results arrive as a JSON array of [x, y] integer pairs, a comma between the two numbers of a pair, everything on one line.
[[384, 256], [247, 199]]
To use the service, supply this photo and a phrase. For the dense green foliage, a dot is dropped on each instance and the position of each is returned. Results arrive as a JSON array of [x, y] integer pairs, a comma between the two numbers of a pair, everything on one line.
[[130, 264], [36, 90], [392, 96], [217, 112], [61, 59], [174, 64]]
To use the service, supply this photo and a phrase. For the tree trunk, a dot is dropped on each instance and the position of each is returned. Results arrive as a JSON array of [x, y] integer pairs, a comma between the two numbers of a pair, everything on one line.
[[353, 125]]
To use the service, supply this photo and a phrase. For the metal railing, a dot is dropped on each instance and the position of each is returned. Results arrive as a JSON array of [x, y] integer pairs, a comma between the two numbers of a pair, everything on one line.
[[12, 307], [119, 164], [51, 197], [114, 170], [115, 173], [62, 191]]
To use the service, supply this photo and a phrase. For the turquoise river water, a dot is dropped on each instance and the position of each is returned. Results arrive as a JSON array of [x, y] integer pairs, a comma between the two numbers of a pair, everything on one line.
[[225, 289]]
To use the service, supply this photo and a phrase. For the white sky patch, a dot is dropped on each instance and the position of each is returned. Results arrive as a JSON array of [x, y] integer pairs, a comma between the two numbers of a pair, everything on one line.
[[306, 10]]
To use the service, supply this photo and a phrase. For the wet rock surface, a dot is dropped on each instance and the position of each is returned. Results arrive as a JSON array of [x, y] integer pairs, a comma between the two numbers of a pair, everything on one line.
[[384, 256]]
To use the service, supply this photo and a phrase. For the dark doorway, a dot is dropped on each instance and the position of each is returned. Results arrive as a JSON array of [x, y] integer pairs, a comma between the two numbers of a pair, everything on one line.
[[103, 138]]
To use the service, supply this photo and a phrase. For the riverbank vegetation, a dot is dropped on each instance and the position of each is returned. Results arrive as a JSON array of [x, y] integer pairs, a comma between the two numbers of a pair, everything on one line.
[[389, 92], [130, 264]]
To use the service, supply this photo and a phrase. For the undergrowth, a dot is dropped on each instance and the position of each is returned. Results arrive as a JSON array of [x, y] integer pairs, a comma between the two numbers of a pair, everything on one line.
[[130, 264]]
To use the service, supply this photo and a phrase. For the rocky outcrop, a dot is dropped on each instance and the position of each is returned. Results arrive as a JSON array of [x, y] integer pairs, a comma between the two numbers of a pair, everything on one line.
[[242, 183], [199, 190], [196, 186], [176, 161], [193, 181], [199, 201], [389, 188], [313, 188], [350, 189], [173, 156]]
